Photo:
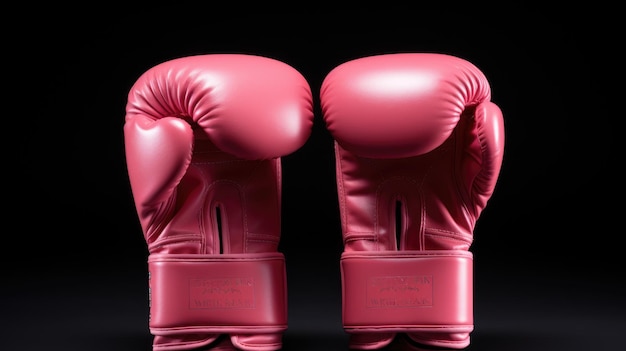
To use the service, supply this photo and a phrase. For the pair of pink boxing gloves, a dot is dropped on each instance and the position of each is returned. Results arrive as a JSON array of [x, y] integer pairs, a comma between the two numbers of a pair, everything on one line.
[[418, 150]]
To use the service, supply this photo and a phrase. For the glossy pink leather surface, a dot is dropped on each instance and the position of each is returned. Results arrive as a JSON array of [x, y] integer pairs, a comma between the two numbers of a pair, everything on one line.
[[400, 105], [419, 147], [401, 291], [204, 136], [219, 293]]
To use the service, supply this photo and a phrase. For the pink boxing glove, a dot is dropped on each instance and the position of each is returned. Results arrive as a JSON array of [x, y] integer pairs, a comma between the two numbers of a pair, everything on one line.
[[204, 136], [418, 148]]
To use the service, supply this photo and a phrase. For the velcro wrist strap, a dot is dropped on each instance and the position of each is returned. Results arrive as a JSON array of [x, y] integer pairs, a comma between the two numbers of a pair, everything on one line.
[[407, 291], [217, 293]]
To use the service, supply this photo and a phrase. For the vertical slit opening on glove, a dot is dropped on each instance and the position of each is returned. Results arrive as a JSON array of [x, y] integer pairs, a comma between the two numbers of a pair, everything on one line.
[[398, 225], [218, 221]]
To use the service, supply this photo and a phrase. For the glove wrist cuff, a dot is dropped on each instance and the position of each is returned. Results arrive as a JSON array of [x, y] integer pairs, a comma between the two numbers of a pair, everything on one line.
[[234, 293], [404, 291]]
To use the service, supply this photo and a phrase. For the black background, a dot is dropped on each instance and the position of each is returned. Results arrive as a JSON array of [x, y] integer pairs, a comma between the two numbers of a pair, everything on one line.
[[547, 247]]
